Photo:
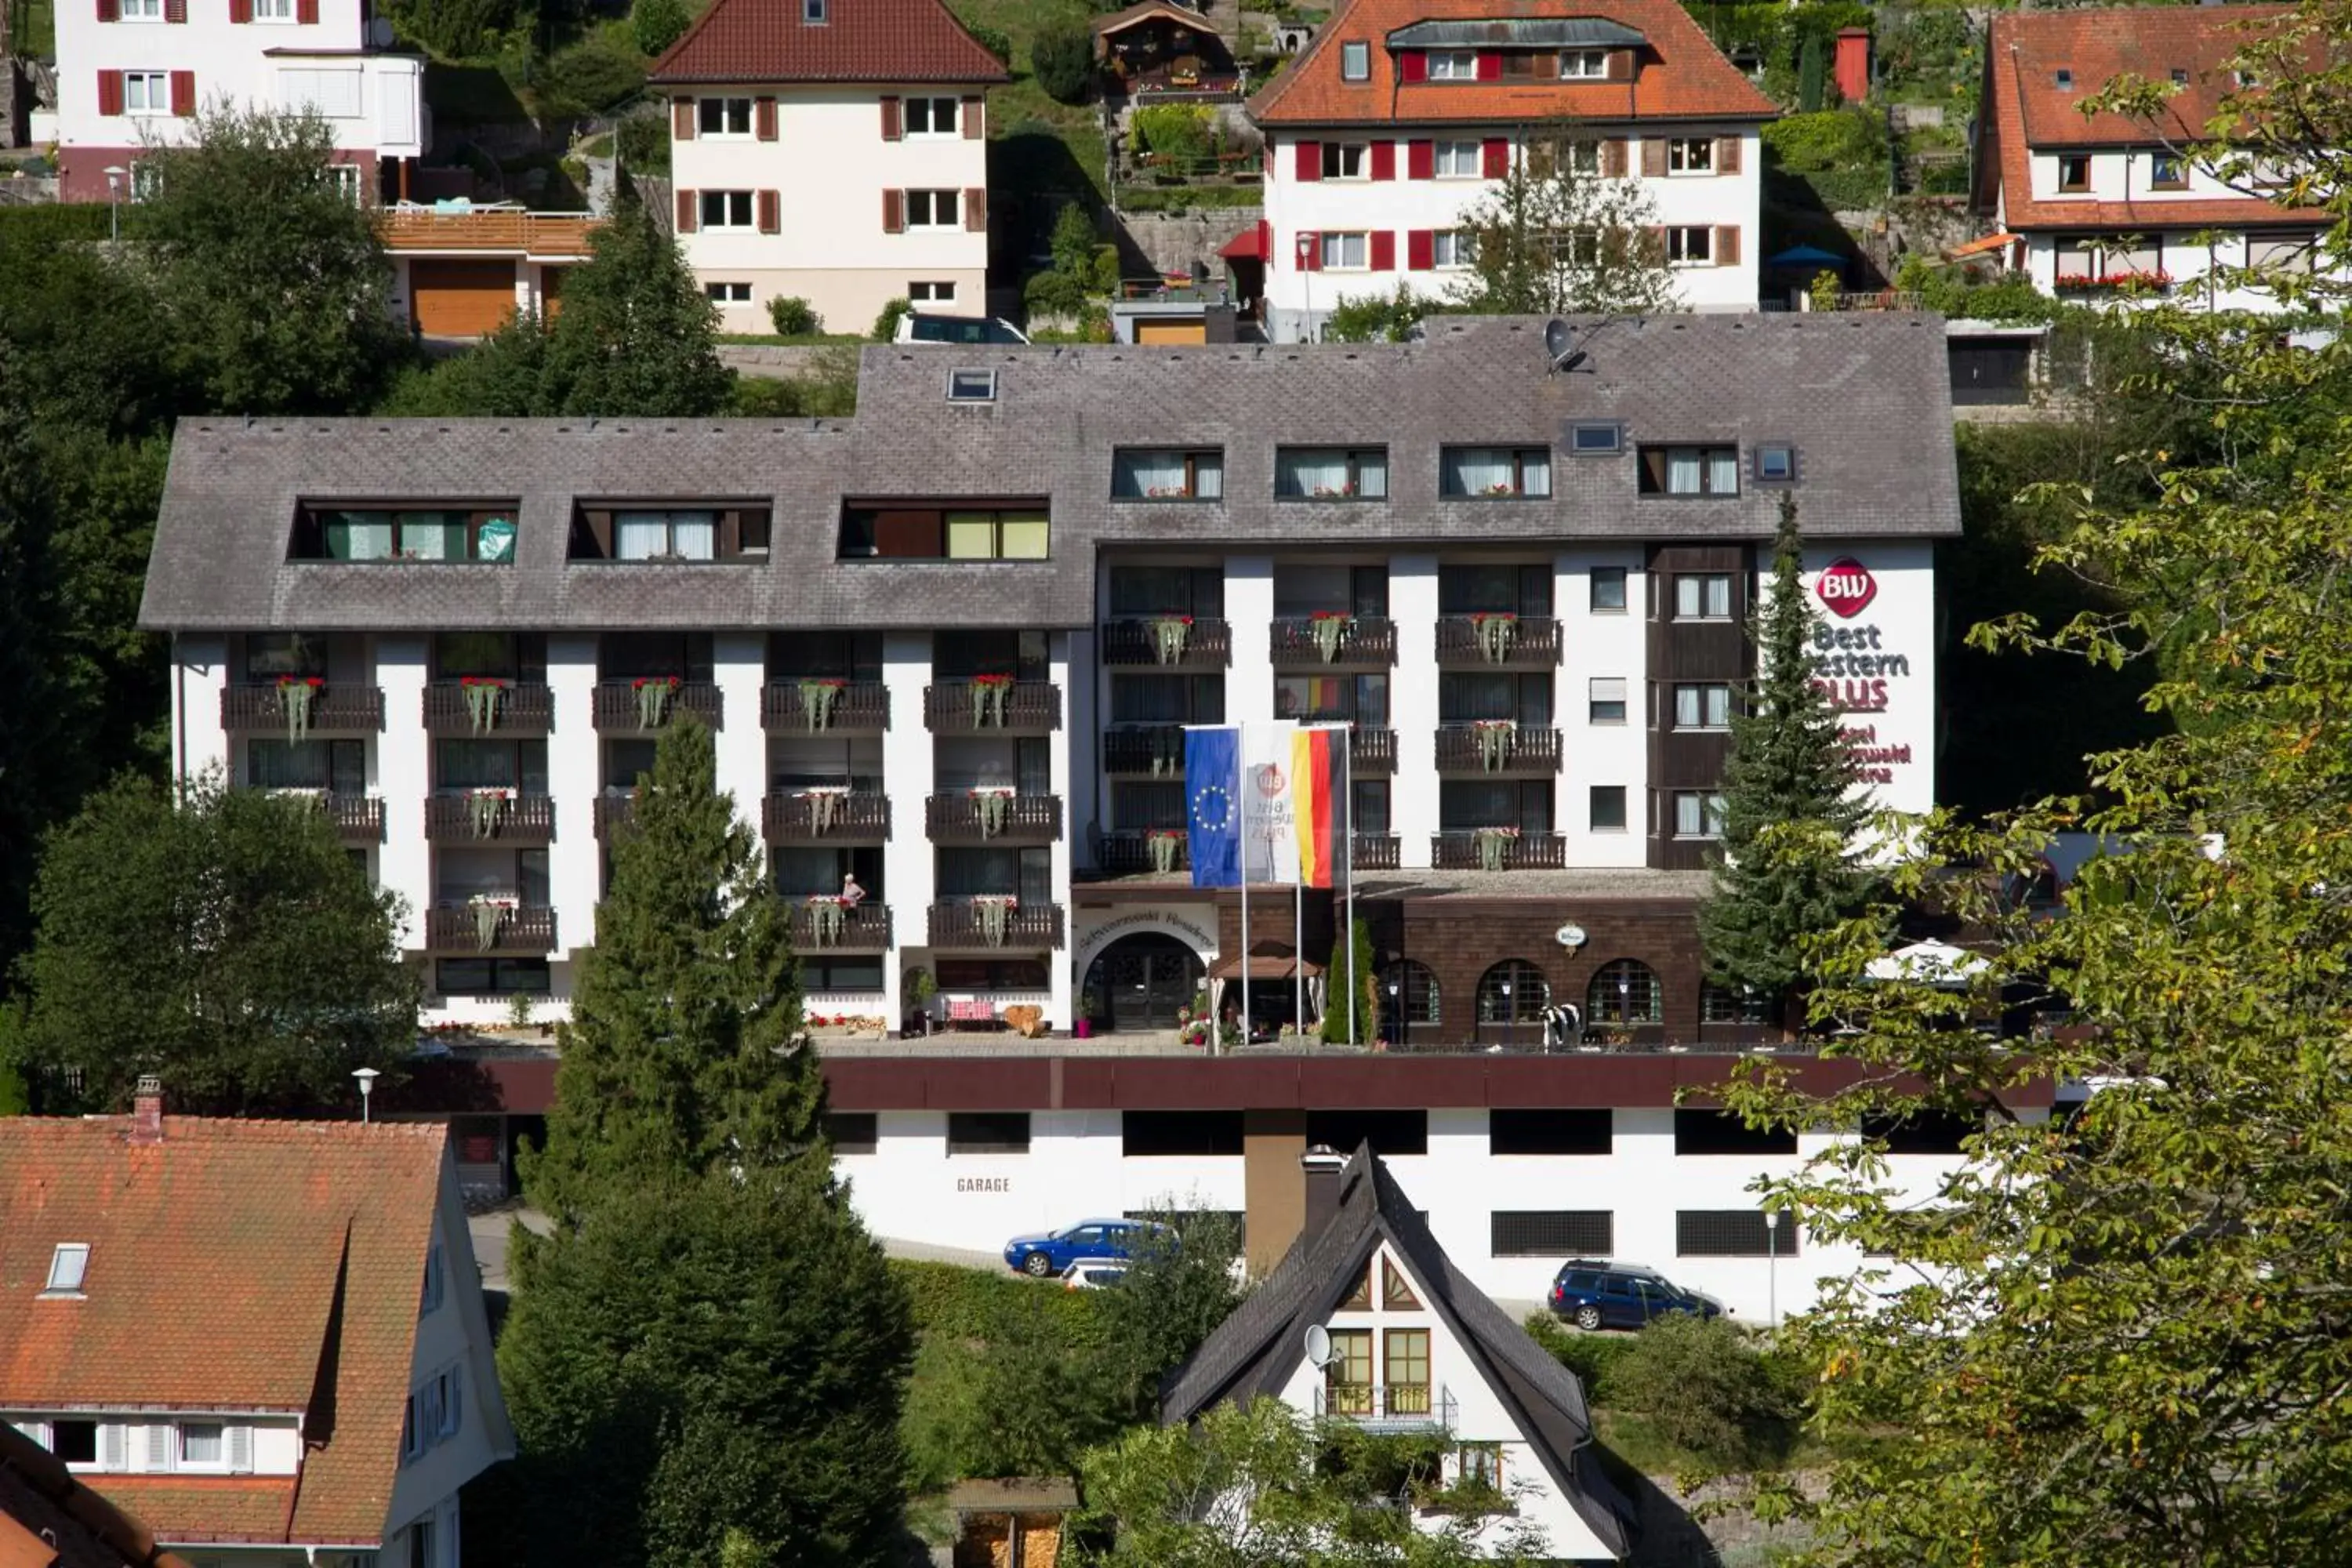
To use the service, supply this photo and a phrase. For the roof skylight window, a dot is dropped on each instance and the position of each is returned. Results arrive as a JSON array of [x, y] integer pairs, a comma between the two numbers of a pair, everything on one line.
[[67, 1264]]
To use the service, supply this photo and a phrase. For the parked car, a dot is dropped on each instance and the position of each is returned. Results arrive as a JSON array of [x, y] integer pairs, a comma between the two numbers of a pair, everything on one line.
[[1594, 1294], [915, 328], [1043, 1256], [1094, 1273]]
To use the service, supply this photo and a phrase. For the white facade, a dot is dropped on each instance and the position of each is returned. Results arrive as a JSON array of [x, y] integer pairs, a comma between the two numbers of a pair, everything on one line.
[[134, 79], [1374, 192], [841, 203]]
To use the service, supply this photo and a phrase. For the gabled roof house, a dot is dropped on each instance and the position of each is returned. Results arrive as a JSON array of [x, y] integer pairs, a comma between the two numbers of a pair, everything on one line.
[[1414, 1347]]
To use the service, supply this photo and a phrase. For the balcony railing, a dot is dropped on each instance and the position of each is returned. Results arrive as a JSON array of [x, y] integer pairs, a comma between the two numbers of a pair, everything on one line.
[[472, 928], [358, 819], [971, 926], [1132, 851], [623, 707], [612, 812], [1499, 641], [827, 817], [1494, 850], [1146, 751], [453, 709], [1173, 642], [1500, 753], [261, 705], [1361, 642], [823, 925], [487, 817], [978, 708], [987, 817], [853, 708], [1373, 753], [1397, 1407], [1377, 852]]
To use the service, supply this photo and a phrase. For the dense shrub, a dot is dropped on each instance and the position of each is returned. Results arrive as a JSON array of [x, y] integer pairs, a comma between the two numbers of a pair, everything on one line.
[[1702, 1385], [1062, 58], [587, 78], [1183, 131], [996, 40], [656, 25], [457, 30], [42, 224], [794, 317], [642, 140], [1592, 1357], [1832, 139], [886, 325], [972, 1304]]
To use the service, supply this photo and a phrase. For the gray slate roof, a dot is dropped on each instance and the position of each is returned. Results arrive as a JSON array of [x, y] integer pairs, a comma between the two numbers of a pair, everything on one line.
[[1256, 1350], [1865, 398]]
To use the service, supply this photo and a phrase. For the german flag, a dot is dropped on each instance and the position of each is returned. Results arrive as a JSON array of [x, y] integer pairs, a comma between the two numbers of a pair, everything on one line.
[[1319, 786]]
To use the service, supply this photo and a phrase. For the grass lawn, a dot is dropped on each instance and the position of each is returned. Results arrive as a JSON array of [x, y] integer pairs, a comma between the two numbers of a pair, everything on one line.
[[37, 29]]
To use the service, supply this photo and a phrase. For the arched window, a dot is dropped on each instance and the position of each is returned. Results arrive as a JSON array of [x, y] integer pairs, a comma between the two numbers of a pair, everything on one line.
[[1409, 992], [1718, 1005], [1624, 992], [1513, 992]]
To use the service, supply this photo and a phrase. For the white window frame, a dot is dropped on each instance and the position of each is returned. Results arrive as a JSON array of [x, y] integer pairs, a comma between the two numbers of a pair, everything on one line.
[[1457, 161], [1702, 596], [142, 10], [345, 178], [436, 1282], [151, 87], [1335, 242], [1453, 65], [1356, 60], [1690, 155], [1605, 692], [726, 105], [932, 108], [933, 202], [68, 1268], [971, 386], [1583, 65], [922, 293], [183, 1460], [1454, 249], [1347, 161], [1698, 813], [453, 1393], [727, 209], [274, 11], [724, 293], [1690, 245], [1702, 705]]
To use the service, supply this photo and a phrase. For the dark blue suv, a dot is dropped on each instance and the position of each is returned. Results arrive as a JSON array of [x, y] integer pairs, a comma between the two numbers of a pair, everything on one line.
[[1597, 1295], [1043, 1256]]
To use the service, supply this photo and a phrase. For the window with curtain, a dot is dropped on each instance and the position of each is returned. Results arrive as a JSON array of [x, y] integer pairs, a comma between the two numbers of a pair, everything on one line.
[[337, 765], [1466, 697], [269, 654], [1330, 473], [1167, 475], [1167, 699], [1140, 592], [1690, 470], [624, 655], [960, 655], [1333, 699], [1141, 806], [372, 534], [1496, 588], [1370, 798], [968, 872], [520, 765], [1497, 472], [960, 765], [456, 653], [665, 535]]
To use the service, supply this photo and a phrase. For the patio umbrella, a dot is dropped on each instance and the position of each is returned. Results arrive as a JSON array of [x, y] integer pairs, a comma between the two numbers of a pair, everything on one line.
[[1935, 963]]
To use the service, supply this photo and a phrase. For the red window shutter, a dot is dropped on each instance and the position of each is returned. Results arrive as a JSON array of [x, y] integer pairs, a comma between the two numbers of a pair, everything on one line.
[[681, 119], [239, 11], [1726, 246], [110, 93], [1385, 160], [175, 10], [109, 10], [1310, 245], [1421, 160], [1412, 65], [1419, 249], [307, 12], [183, 93], [1727, 154], [771, 212], [1495, 158], [1385, 250], [686, 211], [1310, 160], [1654, 158], [893, 128], [1266, 243], [1490, 65], [1612, 158], [763, 119], [975, 209], [975, 122], [894, 212], [1621, 66]]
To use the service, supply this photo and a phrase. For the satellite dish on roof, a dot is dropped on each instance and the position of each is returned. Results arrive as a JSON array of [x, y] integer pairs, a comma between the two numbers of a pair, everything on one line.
[[1558, 347], [1319, 1345]]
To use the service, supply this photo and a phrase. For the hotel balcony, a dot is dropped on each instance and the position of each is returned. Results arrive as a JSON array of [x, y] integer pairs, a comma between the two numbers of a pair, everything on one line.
[[1377, 852], [1145, 751], [1527, 852], [968, 707], [1363, 642], [1468, 751], [1371, 753], [826, 817], [1518, 642], [257, 706], [611, 814], [1019, 819], [857, 708], [518, 710], [1135, 851], [467, 818], [529, 929], [961, 926], [622, 706], [866, 929], [1204, 643]]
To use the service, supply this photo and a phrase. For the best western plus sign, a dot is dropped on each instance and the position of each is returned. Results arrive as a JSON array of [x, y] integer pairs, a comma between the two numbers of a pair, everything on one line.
[[1853, 670]]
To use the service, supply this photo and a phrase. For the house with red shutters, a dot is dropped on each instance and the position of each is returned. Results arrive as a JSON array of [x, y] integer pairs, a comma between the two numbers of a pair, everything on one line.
[[833, 151], [131, 75], [1403, 116]]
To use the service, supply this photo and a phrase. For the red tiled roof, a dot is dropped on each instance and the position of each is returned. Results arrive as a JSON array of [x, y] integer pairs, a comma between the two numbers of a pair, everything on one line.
[[1682, 75], [2030, 111], [49, 1519], [235, 1264], [860, 40], [209, 1509]]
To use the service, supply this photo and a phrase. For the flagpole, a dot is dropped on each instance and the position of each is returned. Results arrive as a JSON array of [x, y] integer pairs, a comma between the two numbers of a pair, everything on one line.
[[1298, 958], [1348, 863], [1243, 820]]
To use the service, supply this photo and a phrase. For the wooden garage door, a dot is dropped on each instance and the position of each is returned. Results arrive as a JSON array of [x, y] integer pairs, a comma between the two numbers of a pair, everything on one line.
[[460, 299], [1171, 331]]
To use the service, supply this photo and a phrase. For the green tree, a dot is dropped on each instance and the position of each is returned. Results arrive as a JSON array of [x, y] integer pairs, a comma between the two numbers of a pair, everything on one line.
[[1788, 864], [710, 1359], [274, 289], [1379, 318], [1181, 1283], [1554, 239], [658, 23], [1062, 58], [1024, 1401], [638, 335], [225, 942], [684, 1052], [1699, 1383], [1366, 1023], [457, 30], [502, 376]]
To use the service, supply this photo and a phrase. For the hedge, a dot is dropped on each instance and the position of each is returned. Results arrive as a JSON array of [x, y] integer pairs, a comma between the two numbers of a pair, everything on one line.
[[48, 223], [1591, 1357], [969, 1303]]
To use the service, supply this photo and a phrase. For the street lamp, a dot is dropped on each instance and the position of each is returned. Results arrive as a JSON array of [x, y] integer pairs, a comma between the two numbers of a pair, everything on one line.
[[1772, 1264], [367, 1077], [115, 175], [1307, 285]]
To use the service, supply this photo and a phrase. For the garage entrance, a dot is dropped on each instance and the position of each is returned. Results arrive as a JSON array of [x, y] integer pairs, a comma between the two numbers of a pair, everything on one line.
[[459, 298]]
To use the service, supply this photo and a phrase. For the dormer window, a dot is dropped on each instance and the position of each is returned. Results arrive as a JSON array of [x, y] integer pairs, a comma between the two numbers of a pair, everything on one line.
[[2074, 171], [1583, 65], [1453, 65], [1356, 61], [67, 1264], [2166, 171], [650, 532]]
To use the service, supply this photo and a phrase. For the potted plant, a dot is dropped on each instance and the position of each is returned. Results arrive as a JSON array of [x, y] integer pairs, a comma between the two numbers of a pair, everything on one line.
[[828, 916], [490, 912], [994, 914], [1496, 630], [992, 805], [1331, 629], [484, 695], [654, 694], [1171, 632], [488, 806], [1166, 844], [1495, 742], [988, 695], [1494, 845], [298, 694], [817, 698]]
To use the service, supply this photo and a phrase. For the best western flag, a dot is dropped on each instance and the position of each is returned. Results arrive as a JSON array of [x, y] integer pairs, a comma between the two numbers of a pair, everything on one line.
[[1269, 808], [1212, 788], [1319, 793]]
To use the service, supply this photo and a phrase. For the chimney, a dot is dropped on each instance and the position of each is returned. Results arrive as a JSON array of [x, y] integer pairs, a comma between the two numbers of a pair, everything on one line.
[[1322, 1168], [147, 1111]]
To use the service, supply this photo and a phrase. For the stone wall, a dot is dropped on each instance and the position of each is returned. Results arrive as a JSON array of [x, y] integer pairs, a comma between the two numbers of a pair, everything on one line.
[[1173, 242]]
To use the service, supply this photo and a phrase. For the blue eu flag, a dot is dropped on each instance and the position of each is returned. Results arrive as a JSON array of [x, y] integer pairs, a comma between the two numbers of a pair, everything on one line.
[[1212, 806]]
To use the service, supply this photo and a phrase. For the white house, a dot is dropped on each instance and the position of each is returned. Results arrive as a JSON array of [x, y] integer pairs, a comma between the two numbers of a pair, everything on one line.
[[2103, 206], [131, 75], [266, 1339], [1412, 1346], [835, 151], [1405, 115]]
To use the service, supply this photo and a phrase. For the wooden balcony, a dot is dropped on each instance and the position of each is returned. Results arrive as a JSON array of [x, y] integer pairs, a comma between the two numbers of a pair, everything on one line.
[[358, 819], [1026, 819], [807, 816], [858, 707], [611, 814], [492, 231], [528, 819], [1136, 851], [255, 707], [621, 707], [529, 929], [958, 926], [1206, 644], [1371, 753], [1528, 852], [1466, 751], [1522, 642], [866, 929], [961, 708], [1365, 642], [1145, 751], [518, 710], [1377, 852]]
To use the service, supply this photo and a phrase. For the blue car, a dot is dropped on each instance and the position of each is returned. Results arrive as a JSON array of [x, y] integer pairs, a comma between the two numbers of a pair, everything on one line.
[[1597, 1294], [1043, 1256]]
